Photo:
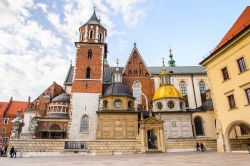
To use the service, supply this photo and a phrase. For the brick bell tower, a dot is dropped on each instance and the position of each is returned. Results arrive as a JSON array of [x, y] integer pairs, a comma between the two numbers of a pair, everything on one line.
[[91, 57]]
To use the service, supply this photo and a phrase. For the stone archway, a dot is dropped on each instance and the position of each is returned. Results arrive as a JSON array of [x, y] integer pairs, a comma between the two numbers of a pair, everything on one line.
[[152, 135], [235, 141]]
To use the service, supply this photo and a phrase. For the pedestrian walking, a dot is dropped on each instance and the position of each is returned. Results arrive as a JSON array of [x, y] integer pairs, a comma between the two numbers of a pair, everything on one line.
[[197, 146]]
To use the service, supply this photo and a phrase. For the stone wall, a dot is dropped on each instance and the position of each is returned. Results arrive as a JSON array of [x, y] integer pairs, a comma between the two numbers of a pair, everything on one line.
[[239, 144], [46, 147], [180, 145]]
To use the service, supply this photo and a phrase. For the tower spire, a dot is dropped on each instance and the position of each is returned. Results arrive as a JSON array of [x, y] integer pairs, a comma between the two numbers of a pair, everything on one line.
[[163, 64], [171, 62]]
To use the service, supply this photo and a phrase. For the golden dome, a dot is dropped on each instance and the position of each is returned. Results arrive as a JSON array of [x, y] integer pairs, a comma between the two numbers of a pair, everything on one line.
[[166, 91], [164, 73]]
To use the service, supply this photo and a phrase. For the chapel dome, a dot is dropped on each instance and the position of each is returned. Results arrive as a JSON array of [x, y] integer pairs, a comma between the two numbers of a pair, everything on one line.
[[117, 89], [167, 91], [64, 97]]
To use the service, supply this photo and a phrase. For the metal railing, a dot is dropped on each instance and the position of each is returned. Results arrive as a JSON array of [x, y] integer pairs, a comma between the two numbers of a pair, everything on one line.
[[75, 145]]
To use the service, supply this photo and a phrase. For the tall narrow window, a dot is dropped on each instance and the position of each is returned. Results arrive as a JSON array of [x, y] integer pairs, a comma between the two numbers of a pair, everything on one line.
[[137, 91], [198, 126], [225, 73], [183, 88], [202, 87], [84, 127], [91, 34], [248, 95], [88, 70], [231, 101], [82, 36], [89, 54], [242, 64], [100, 37]]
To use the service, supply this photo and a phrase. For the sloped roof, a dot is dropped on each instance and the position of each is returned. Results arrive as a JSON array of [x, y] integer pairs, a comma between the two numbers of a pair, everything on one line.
[[16, 106], [70, 75], [3, 106], [93, 20], [154, 70], [241, 23], [117, 89]]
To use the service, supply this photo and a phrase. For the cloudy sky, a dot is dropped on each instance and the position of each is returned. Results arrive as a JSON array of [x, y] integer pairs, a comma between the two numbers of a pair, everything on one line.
[[37, 37]]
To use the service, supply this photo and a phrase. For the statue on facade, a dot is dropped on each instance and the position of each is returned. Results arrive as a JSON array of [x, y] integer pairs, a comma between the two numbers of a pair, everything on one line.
[[17, 126]]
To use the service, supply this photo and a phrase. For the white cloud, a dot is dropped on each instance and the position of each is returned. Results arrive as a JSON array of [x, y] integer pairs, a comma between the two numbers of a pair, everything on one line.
[[43, 6], [33, 56]]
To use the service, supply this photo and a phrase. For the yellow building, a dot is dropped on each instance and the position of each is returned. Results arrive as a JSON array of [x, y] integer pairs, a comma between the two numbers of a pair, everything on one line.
[[229, 76]]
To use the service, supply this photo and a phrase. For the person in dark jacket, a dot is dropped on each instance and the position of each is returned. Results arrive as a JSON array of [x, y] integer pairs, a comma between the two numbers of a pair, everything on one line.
[[197, 146], [12, 152], [202, 147]]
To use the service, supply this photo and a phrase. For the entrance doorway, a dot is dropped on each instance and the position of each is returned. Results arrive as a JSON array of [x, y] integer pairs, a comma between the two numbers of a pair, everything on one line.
[[152, 140], [238, 136]]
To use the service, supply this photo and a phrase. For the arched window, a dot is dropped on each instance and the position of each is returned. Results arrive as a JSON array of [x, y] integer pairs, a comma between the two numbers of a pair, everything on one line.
[[84, 125], [91, 34], [183, 88], [118, 103], [130, 105], [105, 104], [55, 127], [88, 70], [137, 91], [100, 37], [82, 36], [198, 126], [202, 87], [89, 54]]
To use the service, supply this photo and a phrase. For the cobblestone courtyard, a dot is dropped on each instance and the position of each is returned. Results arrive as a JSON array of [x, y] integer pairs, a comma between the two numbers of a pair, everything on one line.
[[174, 159]]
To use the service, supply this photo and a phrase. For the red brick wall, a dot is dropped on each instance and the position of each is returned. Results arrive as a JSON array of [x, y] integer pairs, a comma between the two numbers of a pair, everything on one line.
[[136, 70], [95, 64], [8, 127]]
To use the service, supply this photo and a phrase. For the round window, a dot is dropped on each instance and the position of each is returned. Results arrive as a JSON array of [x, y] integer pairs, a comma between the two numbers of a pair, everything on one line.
[[118, 103], [171, 104], [159, 105]]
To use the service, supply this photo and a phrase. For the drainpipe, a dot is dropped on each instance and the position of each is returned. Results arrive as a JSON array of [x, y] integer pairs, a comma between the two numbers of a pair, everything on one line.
[[192, 78]]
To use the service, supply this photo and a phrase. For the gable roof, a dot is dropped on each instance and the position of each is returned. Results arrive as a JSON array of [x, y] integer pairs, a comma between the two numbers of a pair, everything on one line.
[[16, 106], [241, 24], [130, 56]]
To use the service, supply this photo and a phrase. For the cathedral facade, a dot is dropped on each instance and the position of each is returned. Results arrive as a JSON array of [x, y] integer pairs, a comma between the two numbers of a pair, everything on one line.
[[134, 102]]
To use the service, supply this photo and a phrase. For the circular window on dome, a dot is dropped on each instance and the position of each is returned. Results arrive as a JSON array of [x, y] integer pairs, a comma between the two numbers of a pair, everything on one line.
[[159, 105], [118, 103], [171, 104]]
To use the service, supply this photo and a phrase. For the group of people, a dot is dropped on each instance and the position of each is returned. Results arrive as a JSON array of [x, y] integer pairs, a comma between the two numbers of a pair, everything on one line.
[[199, 147], [3, 151]]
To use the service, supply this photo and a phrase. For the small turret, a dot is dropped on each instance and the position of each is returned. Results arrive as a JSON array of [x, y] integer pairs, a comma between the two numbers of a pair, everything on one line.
[[171, 62], [164, 75], [93, 31], [117, 76]]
